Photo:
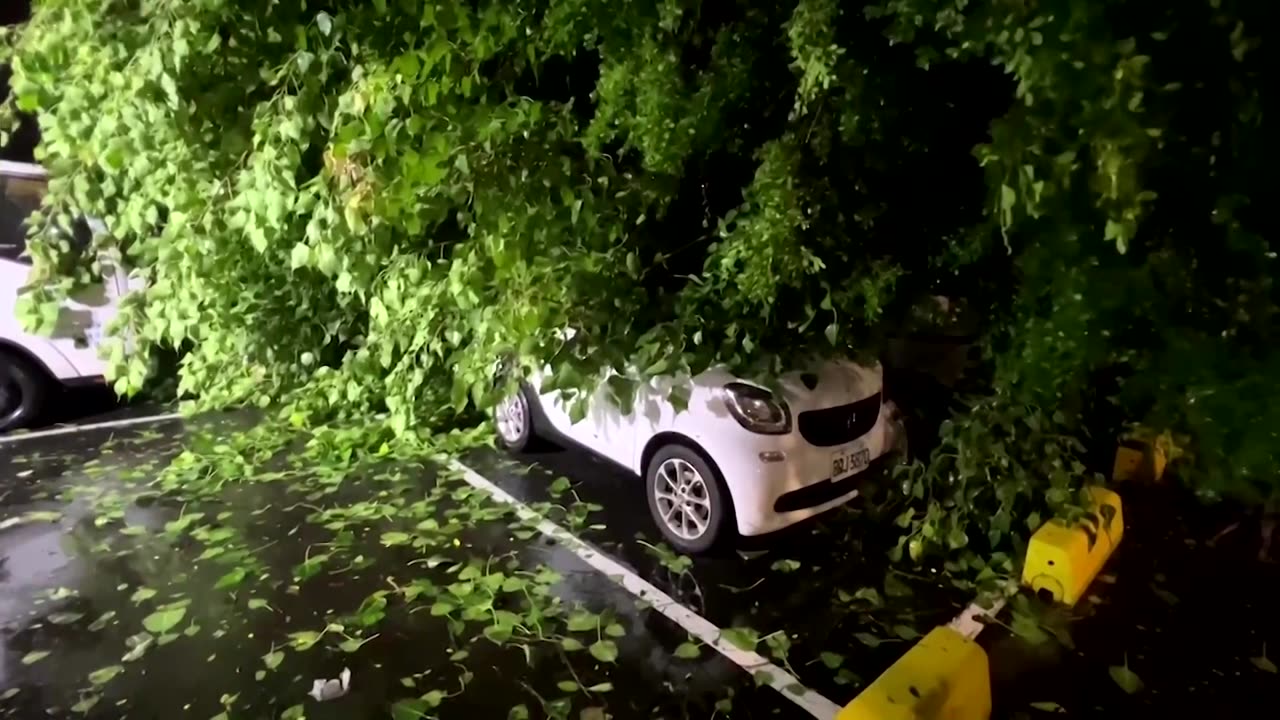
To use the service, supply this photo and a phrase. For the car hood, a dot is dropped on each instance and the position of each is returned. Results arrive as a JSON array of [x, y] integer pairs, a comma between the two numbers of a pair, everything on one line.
[[831, 382]]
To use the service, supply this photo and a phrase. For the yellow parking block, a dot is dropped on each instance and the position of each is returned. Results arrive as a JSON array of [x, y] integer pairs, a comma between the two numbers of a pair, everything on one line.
[[943, 677], [1140, 461], [1063, 560]]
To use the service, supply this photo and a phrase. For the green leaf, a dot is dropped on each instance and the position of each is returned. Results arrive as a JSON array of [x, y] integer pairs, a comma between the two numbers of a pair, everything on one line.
[[162, 621], [785, 565], [868, 639], [1263, 663], [567, 686], [1168, 597], [324, 21], [301, 254], [687, 651], [571, 644], [1027, 628], [273, 659], [604, 651], [905, 632], [1127, 679], [411, 709], [395, 538], [86, 703], [231, 579], [305, 639], [102, 676], [894, 587], [603, 687], [743, 638], [615, 630], [1047, 706], [64, 618], [679, 399], [582, 620], [103, 620], [34, 656], [519, 712], [138, 645], [870, 595], [142, 593], [831, 660]]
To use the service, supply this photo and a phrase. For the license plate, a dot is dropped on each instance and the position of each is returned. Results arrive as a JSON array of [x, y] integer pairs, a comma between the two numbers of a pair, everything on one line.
[[849, 461]]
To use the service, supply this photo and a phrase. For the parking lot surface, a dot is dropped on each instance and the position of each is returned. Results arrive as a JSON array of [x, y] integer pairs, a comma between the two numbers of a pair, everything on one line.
[[131, 585]]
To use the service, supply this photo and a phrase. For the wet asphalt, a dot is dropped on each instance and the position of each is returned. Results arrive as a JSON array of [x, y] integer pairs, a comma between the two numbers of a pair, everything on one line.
[[79, 578], [71, 610]]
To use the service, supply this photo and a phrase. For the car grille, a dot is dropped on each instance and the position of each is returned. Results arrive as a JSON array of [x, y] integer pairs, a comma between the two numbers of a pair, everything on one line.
[[841, 424]]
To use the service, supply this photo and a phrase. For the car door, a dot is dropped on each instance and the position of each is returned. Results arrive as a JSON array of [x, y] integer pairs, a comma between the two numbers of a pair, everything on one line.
[[600, 430], [82, 319], [613, 428]]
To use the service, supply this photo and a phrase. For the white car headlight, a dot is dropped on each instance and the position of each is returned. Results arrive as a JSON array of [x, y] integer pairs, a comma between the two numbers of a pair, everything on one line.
[[756, 410]]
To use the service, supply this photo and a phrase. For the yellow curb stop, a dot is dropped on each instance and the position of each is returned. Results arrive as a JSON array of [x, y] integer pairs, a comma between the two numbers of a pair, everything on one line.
[[943, 677], [1062, 560], [1141, 462]]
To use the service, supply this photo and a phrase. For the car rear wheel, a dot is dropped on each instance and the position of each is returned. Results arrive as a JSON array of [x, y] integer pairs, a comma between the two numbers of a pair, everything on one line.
[[23, 391], [688, 501]]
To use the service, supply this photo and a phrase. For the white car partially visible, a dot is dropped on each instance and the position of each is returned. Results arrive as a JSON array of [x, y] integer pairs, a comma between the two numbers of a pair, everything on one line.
[[739, 461], [34, 368]]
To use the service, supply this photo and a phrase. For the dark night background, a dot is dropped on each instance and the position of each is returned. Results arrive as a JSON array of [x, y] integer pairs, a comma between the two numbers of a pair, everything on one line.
[[20, 147]]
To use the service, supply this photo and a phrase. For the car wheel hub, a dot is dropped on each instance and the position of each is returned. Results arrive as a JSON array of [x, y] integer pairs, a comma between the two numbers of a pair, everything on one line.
[[510, 417], [684, 503]]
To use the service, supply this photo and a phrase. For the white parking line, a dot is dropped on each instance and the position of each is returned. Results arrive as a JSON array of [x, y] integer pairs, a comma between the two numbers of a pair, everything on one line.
[[92, 426], [967, 623], [696, 625]]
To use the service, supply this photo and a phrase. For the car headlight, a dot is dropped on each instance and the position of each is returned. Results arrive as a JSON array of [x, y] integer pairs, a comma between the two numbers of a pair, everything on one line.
[[756, 410]]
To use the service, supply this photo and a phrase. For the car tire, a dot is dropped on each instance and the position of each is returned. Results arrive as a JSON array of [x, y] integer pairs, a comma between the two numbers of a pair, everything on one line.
[[513, 421], [704, 487], [24, 389]]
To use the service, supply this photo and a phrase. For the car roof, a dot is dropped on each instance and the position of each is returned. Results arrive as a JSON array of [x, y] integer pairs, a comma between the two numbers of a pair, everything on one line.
[[23, 170]]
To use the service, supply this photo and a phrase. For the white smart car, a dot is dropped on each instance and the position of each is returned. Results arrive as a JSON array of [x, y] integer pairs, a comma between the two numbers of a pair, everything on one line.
[[33, 368], [739, 460]]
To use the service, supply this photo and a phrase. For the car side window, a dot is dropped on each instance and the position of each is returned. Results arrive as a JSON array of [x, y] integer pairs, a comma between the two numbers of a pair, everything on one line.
[[19, 197]]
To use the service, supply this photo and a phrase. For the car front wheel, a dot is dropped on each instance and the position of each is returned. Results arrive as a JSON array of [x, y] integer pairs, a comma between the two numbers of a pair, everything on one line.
[[688, 500], [514, 422], [23, 389]]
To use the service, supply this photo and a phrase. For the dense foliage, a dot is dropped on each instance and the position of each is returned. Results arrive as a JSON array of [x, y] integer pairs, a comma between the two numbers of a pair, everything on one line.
[[356, 206]]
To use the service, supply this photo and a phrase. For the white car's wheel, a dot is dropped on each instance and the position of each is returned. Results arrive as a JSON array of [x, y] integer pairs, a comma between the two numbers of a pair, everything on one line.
[[688, 500], [23, 389], [514, 422]]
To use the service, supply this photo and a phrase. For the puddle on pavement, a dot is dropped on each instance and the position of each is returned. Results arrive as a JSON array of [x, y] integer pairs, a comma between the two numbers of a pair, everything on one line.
[[117, 600]]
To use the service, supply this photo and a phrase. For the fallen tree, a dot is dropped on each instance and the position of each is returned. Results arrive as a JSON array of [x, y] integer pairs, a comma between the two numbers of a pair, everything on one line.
[[357, 207]]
